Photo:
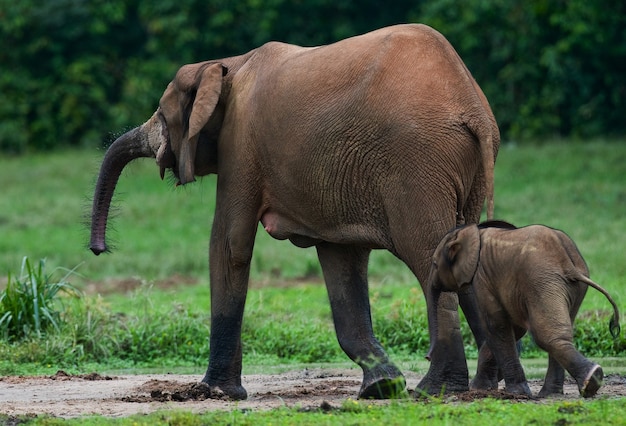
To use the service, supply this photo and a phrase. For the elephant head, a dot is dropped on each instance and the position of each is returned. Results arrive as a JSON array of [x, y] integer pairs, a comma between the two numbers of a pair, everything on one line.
[[181, 135], [189, 106], [454, 265], [456, 258]]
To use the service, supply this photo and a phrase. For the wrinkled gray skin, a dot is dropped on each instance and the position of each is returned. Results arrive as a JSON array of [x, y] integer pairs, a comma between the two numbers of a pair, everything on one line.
[[531, 278], [381, 141]]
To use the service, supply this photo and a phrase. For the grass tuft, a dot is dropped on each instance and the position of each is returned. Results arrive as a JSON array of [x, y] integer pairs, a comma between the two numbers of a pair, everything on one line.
[[30, 304]]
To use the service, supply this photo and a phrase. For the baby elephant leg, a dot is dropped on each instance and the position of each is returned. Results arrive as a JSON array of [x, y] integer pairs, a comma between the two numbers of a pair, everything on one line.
[[592, 382], [553, 382], [587, 374], [486, 372], [502, 342], [558, 342], [514, 377]]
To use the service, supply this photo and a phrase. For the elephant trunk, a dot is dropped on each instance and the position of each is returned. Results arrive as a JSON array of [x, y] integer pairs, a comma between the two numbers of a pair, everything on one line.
[[131, 145], [433, 327]]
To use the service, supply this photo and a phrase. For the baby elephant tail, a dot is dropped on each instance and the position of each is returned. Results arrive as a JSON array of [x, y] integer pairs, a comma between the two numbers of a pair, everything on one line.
[[614, 326]]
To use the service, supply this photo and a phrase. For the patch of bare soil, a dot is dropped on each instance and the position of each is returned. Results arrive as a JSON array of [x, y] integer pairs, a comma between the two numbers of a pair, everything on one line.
[[65, 395], [130, 284]]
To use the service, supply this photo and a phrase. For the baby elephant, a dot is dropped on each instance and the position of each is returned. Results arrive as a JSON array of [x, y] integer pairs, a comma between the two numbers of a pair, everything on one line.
[[532, 278]]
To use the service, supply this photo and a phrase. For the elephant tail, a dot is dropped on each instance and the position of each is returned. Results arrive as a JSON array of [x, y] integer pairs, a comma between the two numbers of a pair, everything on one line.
[[614, 326], [483, 131]]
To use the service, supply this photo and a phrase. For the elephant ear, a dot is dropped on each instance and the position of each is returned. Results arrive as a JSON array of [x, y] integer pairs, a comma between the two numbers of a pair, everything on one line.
[[187, 106], [463, 253]]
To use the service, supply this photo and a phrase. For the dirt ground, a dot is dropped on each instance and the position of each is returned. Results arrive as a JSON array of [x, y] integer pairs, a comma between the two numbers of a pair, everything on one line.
[[64, 395]]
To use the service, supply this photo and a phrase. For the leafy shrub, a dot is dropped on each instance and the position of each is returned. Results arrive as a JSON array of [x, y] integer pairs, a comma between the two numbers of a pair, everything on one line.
[[592, 335], [403, 327], [292, 340], [176, 335], [80, 69], [29, 304], [283, 325]]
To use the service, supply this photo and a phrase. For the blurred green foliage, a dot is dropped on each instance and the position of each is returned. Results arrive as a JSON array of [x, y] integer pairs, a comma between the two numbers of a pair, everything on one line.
[[73, 71]]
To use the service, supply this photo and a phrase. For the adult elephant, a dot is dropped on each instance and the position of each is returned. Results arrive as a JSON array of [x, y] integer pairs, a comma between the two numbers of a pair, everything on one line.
[[380, 141]]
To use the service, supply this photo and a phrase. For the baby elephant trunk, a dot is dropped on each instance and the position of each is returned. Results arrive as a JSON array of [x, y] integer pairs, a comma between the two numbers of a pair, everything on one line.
[[434, 296], [443, 320]]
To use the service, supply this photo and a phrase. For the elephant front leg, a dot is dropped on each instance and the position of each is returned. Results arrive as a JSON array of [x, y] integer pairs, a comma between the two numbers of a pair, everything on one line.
[[225, 359], [448, 368], [229, 272], [345, 273], [486, 372], [555, 377], [502, 342]]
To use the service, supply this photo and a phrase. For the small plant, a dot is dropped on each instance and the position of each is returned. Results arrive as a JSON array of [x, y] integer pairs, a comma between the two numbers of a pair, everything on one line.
[[28, 304]]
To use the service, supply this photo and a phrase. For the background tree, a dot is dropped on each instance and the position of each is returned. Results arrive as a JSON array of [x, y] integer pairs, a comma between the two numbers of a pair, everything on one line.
[[75, 70], [549, 68]]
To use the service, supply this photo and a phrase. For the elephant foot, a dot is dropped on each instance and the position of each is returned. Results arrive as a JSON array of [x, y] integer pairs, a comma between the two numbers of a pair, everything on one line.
[[383, 382], [488, 375], [519, 389], [547, 391], [480, 382], [225, 391], [442, 382], [550, 389], [592, 382], [202, 390], [235, 393]]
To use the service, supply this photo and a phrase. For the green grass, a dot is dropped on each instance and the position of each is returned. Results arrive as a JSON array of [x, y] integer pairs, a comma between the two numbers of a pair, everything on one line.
[[159, 231], [433, 411], [29, 305], [572, 186]]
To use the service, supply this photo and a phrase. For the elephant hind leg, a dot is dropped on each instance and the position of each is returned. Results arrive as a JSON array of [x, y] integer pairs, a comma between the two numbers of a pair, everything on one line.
[[588, 375], [558, 341], [448, 368], [345, 273], [592, 382]]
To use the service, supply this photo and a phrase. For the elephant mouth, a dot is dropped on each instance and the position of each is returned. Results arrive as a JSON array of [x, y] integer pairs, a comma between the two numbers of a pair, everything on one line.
[[165, 157]]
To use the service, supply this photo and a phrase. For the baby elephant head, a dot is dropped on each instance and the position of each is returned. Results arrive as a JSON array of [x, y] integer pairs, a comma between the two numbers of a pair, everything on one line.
[[455, 260], [454, 264]]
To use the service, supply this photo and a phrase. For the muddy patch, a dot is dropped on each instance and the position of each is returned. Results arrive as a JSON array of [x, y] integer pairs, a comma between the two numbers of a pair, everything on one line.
[[66, 395]]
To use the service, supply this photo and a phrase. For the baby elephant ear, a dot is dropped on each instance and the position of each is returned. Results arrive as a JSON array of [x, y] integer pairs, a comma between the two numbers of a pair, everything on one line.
[[209, 88], [463, 254]]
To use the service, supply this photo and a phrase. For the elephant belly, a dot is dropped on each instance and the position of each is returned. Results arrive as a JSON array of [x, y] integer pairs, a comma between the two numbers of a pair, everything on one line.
[[282, 228]]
